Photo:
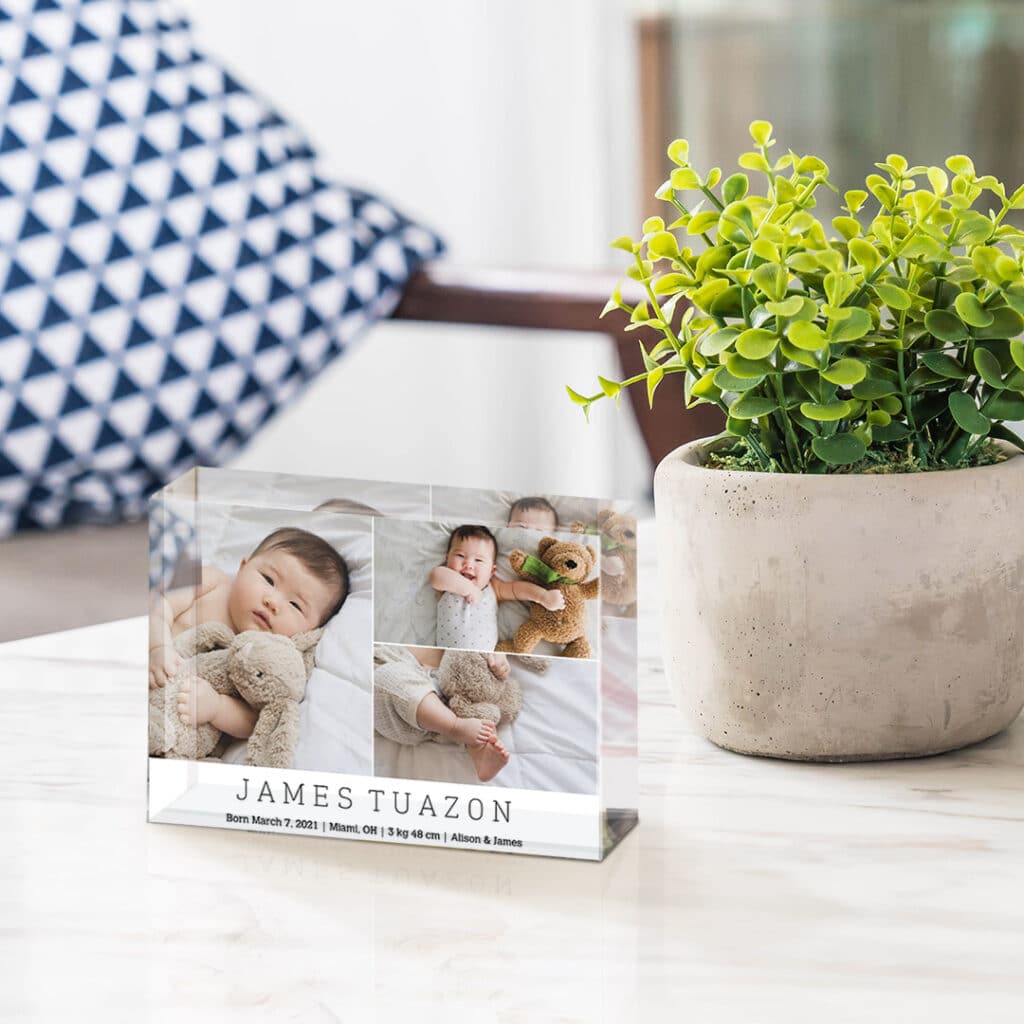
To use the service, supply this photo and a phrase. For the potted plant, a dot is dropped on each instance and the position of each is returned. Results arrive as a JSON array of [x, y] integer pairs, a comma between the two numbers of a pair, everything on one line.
[[843, 569]]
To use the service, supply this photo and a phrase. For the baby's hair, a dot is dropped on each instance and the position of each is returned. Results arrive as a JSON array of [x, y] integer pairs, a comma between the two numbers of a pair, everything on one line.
[[532, 503], [469, 532], [316, 555], [346, 505]]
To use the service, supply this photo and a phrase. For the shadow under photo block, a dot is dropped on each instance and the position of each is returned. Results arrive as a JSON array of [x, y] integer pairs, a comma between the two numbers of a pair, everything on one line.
[[551, 736]]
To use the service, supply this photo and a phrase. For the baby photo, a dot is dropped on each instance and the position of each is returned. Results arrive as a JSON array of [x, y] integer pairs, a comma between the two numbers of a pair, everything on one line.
[[262, 655], [485, 717], [614, 522], [469, 586]]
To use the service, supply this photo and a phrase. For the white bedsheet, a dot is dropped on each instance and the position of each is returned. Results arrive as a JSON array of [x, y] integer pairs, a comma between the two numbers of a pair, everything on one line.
[[553, 742]]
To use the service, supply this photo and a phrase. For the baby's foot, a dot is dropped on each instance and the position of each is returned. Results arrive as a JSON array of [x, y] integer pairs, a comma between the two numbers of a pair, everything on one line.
[[489, 759], [197, 701], [473, 732]]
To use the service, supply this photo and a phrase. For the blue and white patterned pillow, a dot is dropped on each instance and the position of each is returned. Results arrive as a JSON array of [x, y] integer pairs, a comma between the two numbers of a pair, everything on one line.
[[172, 266]]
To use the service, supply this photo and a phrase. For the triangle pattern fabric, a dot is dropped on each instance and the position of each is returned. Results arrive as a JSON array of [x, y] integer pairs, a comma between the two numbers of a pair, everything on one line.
[[177, 265]]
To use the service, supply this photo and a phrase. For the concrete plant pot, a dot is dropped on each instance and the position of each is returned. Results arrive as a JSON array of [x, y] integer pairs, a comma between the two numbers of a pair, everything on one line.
[[843, 617]]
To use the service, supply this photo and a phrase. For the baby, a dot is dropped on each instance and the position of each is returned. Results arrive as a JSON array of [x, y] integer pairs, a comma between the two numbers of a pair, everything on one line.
[[533, 513], [467, 609], [294, 581], [409, 709]]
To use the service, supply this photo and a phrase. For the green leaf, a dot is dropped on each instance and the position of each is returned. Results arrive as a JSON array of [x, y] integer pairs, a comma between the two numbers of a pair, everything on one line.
[[938, 180], [826, 413], [895, 431], [944, 365], [738, 428], [960, 164], [754, 162], [945, 326], [765, 250], [848, 227], [761, 132], [990, 263], [773, 280], [756, 343], [1005, 405], [839, 449], [1006, 323], [706, 387], [1004, 433], [654, 378], [845, 372], [702, 222], [580, 400], [669, 284], [610, 387], [988, 368], [679, 152], [663, 245], [971, 311], [1017, 352], [893, 296], [803, 334], [866, 255], [719, 341], [729, 382], [736, 223], [966, 414], [625, 243], [851, 328], [855, 199], [787, 307], [728, 303], [798, 355], [684, 179], [871, 389], [703, 297], [751, 406], [738, 366], [735, 187]]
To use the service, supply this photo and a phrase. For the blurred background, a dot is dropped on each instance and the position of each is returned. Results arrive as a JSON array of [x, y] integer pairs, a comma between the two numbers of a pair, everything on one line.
[[530, 135], [512, 130]]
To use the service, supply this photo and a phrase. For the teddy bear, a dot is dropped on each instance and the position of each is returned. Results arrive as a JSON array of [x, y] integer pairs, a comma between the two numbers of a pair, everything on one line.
[[564, 566], [266, 670], [472, 690], [618, 559]]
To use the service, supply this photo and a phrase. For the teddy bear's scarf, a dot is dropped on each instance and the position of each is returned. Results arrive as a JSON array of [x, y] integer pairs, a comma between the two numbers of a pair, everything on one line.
[[535, 567]]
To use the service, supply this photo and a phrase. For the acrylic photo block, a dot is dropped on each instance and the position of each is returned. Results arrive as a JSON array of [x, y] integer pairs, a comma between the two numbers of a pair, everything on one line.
[[393, 662]]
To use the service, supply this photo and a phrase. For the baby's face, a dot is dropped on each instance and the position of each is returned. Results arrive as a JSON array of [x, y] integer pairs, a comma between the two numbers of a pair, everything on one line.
[[276, 593], [534, 519], [473, 559]]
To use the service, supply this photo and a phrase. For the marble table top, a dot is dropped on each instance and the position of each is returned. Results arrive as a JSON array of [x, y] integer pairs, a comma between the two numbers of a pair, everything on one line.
[[752, 891]]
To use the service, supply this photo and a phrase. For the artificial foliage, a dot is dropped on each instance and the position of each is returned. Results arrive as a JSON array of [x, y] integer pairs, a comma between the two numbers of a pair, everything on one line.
[[892, 340]]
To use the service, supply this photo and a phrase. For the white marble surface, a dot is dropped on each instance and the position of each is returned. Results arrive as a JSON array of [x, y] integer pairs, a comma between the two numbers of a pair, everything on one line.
[[752, 891]]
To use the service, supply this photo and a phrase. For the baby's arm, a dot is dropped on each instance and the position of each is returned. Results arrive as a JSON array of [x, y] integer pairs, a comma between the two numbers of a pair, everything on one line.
[[199, 703], [234, 717], [522, 590], [445, 579], [164, 610]]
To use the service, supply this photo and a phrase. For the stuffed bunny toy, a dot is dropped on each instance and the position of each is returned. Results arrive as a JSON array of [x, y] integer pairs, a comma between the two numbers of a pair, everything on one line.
[[266, 670], [472, 690]]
